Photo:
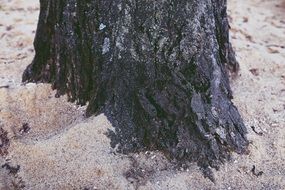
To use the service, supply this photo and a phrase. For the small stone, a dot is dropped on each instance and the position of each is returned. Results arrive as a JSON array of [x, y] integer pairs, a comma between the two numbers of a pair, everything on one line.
[[153, 157]]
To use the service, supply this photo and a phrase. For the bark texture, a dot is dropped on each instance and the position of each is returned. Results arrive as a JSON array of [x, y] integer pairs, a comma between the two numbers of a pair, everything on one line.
[[157, 69]]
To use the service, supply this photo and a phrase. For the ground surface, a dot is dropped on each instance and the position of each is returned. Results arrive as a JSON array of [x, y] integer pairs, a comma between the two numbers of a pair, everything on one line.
[[56, 148]]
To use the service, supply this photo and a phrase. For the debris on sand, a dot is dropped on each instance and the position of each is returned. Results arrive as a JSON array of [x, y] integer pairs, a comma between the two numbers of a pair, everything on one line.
[[257, 174], [4, 142]]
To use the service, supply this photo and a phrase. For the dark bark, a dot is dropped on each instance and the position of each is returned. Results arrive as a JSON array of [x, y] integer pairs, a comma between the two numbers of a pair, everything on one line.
[[157, 69]]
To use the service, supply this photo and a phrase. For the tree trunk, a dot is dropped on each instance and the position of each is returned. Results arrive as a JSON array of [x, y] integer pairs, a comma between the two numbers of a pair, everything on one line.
[[157, 69]]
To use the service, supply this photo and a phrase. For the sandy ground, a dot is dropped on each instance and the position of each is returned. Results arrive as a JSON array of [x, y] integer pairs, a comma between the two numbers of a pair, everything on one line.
[[52, 146]]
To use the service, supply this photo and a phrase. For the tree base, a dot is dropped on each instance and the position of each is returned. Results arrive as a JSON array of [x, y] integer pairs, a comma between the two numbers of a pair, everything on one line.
[[160, 79]]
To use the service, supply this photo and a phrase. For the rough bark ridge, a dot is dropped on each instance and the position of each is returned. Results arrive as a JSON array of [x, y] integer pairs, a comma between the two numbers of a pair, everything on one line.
[[155, 68]]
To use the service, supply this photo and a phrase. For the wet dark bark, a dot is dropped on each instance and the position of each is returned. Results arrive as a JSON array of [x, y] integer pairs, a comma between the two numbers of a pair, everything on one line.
[[157, 69]]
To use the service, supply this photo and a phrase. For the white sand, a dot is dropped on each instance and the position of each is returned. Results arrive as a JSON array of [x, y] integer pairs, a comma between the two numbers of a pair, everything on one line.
[[62, 150]]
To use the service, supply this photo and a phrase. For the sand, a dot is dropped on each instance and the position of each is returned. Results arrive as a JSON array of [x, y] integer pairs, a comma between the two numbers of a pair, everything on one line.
[[52, 146]]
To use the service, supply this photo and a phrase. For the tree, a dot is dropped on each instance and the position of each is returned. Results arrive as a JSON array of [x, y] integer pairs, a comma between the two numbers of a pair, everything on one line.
[[157, 69]]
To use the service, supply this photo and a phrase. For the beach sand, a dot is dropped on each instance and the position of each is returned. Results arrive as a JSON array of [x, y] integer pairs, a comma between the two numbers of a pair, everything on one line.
[[52, 146]]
